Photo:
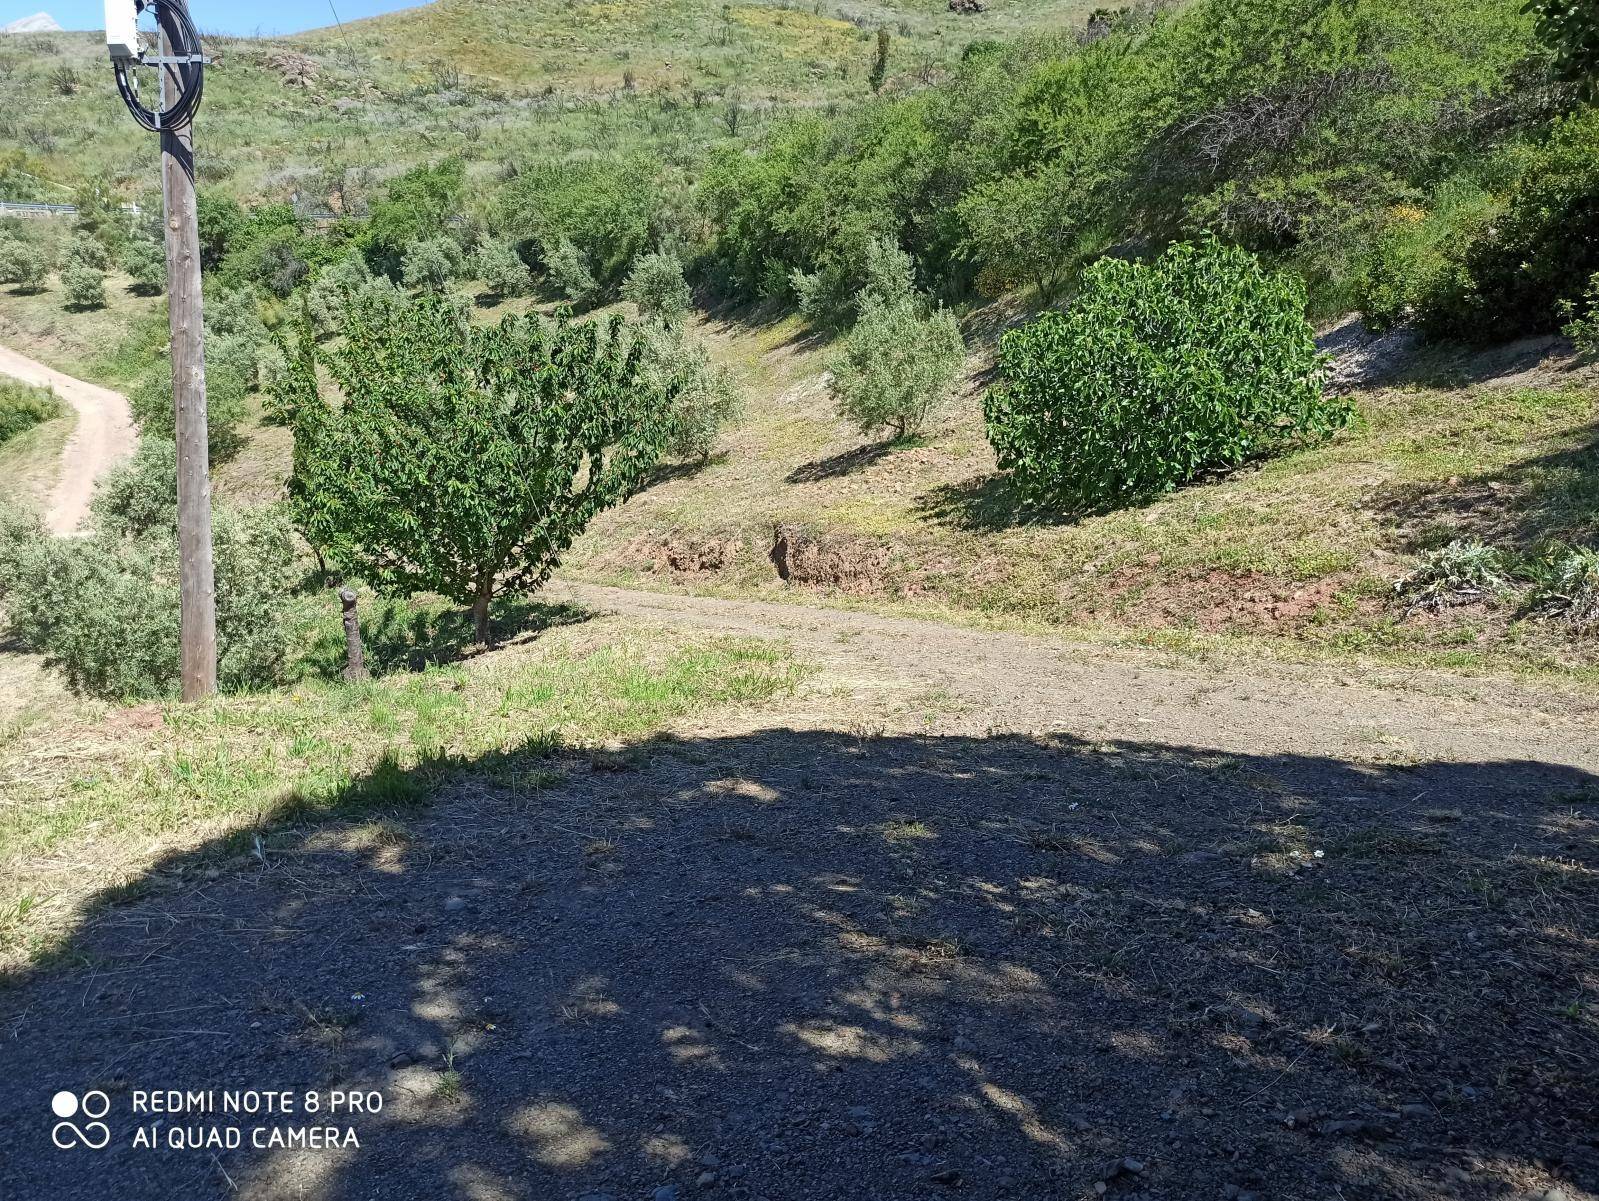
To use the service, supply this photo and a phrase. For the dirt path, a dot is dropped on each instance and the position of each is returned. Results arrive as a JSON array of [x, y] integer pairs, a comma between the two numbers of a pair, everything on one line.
[[103, 437], [1015, 681]]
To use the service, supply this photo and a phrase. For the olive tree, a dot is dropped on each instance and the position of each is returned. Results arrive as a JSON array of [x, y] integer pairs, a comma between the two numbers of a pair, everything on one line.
[[463, 459], [897, 365]]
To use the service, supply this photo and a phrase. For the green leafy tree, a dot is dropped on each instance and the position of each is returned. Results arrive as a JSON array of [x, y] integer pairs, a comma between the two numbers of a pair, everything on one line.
[[657, 286], [464, 460], [1197, 360], [1571, 27], [145, 261], [896, 365], [83, 286], [501, 268]]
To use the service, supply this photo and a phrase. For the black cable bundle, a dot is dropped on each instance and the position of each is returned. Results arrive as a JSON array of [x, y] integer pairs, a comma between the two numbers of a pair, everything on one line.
[[184, 40]]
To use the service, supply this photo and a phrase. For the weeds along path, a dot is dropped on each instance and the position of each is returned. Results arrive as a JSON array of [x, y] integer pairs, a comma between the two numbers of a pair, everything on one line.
[[1021, 682], [103, 437]]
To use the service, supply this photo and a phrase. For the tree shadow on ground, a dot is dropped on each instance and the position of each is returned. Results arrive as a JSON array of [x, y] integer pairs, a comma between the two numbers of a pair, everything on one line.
[[800, 964], [988, 504], [405, 635], [665, 473], [1544, 498], [845, 463]]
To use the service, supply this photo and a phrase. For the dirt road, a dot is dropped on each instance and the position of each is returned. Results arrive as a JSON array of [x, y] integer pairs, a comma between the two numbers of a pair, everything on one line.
[[103, 437], [1021, 682]]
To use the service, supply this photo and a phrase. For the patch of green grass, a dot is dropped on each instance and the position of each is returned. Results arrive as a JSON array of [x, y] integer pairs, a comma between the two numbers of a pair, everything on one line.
[[323, 750]]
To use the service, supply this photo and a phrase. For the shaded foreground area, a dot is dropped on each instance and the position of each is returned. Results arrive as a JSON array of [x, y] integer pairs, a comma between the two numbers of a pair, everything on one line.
[[791, 964]]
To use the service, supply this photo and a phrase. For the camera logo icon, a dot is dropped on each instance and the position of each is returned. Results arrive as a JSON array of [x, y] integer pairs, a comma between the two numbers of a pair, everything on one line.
[[93, 1133]]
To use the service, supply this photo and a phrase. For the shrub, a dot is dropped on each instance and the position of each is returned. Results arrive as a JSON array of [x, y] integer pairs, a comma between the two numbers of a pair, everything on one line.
[[22, 264], [1413, 251], [22, 408], [1464, 571], [1521, 272], [101, 610], [431, 264], [145, 261], [835, 293], [82, 285], [140, 495], [570, 273], [1582, 326], [226, 405], [706, 398], [896, 366], [104, 610], [416, 206], [326, 297], [657, 286], [499, 266], [464, 460], [608, 209], [1566, 587], [1199, 359], [255, 570], [86, 249]]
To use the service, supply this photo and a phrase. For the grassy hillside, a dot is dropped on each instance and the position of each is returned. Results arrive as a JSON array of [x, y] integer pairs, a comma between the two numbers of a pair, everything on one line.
[[1303, 550], [328, 111]]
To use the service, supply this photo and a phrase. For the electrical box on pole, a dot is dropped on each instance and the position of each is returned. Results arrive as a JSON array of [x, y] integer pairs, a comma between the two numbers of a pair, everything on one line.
[[160, 75]]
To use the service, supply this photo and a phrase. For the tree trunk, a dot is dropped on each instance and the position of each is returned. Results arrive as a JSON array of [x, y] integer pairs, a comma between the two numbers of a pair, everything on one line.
[[480, 613], [355, 656]]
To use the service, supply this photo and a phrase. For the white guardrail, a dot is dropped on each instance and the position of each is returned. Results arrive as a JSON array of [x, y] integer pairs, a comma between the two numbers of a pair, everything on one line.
[[11, 208]]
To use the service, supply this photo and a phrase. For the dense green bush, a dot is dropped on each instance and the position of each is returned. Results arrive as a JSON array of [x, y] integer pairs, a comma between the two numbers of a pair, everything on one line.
[[1199, 359], [431, 263], [227, 406], [140, 495], [86, 249], [145, 262], [334, 285], [416, 205], [82, 286], [501, 268], [1582, 324], [1519, 273], [22, 264], [104, 609], [607, 210], [571, 274], [657, 286], [22, 408], [896, 365], [1289, 126], [705, 398]]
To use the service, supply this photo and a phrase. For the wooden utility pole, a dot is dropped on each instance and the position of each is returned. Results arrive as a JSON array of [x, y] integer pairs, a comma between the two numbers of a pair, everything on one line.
[[187, 317]]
